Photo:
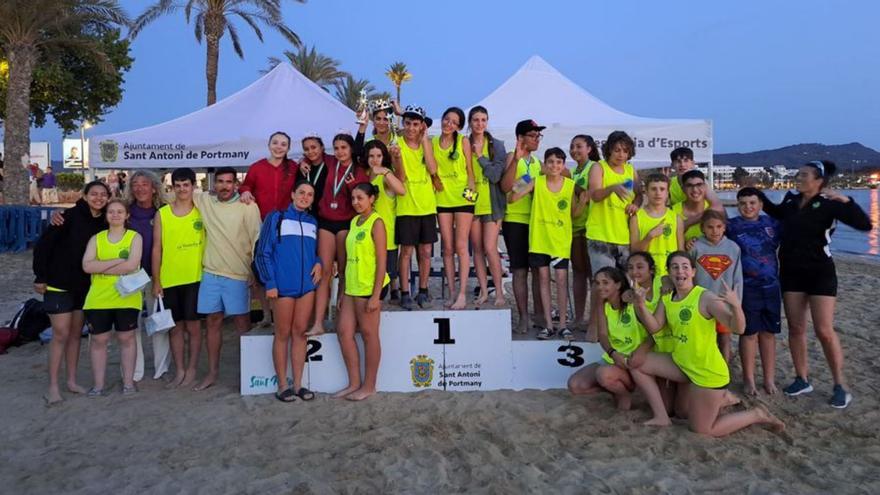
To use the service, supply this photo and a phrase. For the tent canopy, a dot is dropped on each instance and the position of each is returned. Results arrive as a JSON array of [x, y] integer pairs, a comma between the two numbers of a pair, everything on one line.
[[232, 132], [540, 92]]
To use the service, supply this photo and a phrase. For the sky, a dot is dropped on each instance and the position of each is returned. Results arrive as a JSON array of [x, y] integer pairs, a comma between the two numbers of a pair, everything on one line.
[[767, 73]]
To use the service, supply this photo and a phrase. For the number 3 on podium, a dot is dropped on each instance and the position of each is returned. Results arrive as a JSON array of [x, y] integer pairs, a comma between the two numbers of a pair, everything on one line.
[[572, 357]]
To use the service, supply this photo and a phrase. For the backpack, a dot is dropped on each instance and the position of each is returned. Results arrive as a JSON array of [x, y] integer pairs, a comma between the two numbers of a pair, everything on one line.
[[8, 337], [30, 320]]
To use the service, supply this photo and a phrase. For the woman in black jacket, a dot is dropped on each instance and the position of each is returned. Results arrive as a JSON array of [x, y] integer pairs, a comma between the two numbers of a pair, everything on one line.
[[59, 277], [806, 270]]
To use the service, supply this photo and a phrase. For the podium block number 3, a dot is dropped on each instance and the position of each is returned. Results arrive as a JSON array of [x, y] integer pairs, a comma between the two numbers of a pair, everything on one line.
[[572, 357]]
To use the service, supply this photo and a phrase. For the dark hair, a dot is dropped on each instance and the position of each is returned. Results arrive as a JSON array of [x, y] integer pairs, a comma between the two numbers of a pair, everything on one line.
[[712, 215], [825, 172], [555, 151], [652, 266], [690, 174], [460, 113], [88, 187], [226, 170], [656, 177], [367, 188], [379, 145], [280, 133], [680, 254], [617, 276], [489, 138], [681, 152], [182, 174], [303, 182], [593, 155], [618, 137], [316, 138], [748, 191]]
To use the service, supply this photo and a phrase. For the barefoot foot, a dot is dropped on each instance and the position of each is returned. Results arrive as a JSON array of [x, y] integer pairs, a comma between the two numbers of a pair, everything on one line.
[[730, 399], [360, 394], [749, 388], [770, 388], [206, 383], [189, 378], [460, 302], [344, 392], [53, 396], [178, 379], [657, 422], [315, 331], [773, 423], [499, 301], [75, 388]]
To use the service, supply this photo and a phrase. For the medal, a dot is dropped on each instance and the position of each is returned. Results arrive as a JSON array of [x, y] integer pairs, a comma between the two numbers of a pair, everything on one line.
[[334, 205], [337, 183]]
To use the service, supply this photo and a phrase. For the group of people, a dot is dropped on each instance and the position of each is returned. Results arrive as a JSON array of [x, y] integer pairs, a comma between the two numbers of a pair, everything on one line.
[[668, 283]]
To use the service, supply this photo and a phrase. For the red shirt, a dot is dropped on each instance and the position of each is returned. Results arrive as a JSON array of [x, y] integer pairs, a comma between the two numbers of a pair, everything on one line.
[[270, 185], [346, 183]]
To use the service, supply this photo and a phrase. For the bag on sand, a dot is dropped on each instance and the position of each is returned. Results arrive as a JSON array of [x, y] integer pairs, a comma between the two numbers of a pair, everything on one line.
[[30, 320], [161, 319], [8, 336]]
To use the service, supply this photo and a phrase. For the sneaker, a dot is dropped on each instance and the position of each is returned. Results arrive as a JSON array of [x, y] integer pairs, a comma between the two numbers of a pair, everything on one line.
[[423, 300], [406, 302], [840, 398], [546, 333], [798, 386], [566, 334], [395, 295], [129, 391]]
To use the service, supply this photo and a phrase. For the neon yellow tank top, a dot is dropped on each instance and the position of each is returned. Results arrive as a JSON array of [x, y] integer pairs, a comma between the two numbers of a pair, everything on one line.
[[676, 193], [694, 230], [582, 180], [484, 200], [183, 243], [663, 341], [663, 245], [452, 172], [696, 349], [625, 331], [102, 291], [608, 221], [419, 199], [386, 207], [520, 210], [550, 221], [360, 266]]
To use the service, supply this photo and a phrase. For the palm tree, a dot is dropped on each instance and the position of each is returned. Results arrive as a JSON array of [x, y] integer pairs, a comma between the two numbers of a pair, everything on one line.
[[29, 30], [319, 68], [398, 75], [348, 91], [213, 18]]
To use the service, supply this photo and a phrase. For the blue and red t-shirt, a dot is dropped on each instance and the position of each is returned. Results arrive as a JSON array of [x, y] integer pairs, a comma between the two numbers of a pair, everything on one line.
[[758, 241]]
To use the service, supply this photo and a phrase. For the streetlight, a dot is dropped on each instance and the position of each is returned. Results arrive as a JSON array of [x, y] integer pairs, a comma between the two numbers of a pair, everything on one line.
[[82, 146]]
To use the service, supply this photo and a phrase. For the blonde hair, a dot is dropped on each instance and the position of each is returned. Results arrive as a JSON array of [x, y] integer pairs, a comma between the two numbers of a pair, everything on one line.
[[158, 189]]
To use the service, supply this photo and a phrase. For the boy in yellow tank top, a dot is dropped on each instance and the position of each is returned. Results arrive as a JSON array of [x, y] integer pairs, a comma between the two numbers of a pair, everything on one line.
[[416, 223], [615, 195], [655, 228], [550, 235], [178, 245], [522, 168]]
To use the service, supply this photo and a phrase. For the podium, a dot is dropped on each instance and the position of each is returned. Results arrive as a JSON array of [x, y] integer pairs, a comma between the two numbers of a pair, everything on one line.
[[421, 350]]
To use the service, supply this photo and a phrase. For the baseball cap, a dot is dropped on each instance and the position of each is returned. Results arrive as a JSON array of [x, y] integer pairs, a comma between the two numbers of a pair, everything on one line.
[[526, 126]]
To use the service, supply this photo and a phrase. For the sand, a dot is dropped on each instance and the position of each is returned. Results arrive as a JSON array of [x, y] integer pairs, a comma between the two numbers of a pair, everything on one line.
[[216, 441]]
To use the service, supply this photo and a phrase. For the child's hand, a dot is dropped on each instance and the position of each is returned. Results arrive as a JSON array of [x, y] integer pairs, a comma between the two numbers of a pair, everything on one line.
[[728, 295], [689, 244], [657, 231]]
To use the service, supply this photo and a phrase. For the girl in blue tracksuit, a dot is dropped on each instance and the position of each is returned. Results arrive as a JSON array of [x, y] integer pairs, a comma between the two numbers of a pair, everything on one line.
[[287, 261]]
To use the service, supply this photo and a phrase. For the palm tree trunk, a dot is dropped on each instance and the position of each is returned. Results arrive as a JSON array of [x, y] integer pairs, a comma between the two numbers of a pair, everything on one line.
[[214, 26], [17, 139]]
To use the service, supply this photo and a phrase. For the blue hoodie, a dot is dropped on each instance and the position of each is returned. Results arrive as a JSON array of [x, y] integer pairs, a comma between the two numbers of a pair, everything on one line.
[[287, 252]]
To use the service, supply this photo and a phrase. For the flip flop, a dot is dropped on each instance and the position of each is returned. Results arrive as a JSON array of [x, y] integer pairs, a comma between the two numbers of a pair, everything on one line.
[[287, 396], [305, 394]]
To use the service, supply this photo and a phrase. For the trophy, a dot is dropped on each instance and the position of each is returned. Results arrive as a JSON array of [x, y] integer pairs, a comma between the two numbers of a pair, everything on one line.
[[362, 104]]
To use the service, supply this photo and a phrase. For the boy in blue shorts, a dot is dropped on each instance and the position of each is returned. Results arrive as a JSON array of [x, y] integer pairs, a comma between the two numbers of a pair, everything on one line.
[[758, 238]]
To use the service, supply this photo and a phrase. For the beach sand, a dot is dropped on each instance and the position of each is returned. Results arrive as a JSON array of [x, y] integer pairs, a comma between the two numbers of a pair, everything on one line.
[[216, 441]]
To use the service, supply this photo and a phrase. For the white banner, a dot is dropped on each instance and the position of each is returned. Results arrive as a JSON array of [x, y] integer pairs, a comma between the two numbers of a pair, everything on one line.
[[39, 154]]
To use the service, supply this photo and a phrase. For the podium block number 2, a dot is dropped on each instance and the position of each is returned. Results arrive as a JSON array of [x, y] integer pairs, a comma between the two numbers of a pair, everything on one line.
[[444, 335], [312, 351], [572, 357]]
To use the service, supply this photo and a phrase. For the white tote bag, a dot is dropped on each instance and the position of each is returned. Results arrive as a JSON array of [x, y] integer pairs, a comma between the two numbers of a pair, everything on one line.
[[127, 285], [161, 319]]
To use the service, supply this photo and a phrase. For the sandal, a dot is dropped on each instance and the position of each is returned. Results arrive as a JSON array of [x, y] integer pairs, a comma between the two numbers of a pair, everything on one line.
[[566, 334], [129, 391], [95, 393], [287, 396], [545, 333], [305, 394]]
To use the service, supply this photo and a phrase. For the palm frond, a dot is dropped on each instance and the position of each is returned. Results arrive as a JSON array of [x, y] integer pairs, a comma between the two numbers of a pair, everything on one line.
[[248, 17], [152, 13], [236, 44]]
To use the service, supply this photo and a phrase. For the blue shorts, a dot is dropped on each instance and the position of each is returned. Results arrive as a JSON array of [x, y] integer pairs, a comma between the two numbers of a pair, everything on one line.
[[763, 309], [219, 294]]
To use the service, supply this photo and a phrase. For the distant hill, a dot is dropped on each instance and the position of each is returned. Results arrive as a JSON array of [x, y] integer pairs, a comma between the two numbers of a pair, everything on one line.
[[847, 156]]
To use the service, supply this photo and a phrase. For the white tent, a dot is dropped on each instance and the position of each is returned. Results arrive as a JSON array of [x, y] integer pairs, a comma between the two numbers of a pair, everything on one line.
[[232, 132], [540, 92]]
